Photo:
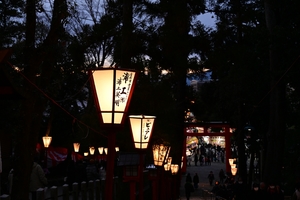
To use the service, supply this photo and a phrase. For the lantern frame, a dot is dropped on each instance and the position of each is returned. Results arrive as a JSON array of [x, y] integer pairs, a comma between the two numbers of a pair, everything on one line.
[[92, 150], [76, 146], [141, 129], [167, 166], [112, 89], [47, 141], [160, 152], [100, 149], [174, 169], [230, 160], [233, 171]]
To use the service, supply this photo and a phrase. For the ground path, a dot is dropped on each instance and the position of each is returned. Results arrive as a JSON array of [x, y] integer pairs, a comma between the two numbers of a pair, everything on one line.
[[203, 172]]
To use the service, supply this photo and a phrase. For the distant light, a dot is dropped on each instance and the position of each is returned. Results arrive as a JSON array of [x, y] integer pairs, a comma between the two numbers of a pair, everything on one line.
[[92, 150], [76, 147], [164, 72], [100, 149], [174, 169], [47, 140]]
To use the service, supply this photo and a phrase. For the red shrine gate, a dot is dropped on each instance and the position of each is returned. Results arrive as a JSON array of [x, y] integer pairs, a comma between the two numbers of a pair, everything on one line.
[[211, 129]]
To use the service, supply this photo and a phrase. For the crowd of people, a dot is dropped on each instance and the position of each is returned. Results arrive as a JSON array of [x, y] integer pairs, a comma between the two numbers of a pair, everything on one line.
[[225, 187], [239, 190], [205, 156]]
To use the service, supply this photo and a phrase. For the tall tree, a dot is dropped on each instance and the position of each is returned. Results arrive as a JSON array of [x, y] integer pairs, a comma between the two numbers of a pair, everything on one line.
[[276, 132], [238, 62], [11, 27], [38, 67]]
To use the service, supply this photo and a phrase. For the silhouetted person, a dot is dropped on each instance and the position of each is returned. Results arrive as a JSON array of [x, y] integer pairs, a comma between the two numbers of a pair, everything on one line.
[[263, 190], [255, 192], [188, 178], [196, 158], [188, 189], [196, 181], [240, 190], [37, 179], [222, 176], [211, 178]]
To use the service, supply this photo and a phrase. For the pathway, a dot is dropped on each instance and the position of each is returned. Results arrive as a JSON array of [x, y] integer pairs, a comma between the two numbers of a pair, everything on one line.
[[203, 172]]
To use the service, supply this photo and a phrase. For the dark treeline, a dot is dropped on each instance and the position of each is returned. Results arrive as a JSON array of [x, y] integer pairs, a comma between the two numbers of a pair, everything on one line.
[[252, 53]]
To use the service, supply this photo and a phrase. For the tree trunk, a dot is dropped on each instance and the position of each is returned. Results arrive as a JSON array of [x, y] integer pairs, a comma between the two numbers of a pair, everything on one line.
[[175, 50], [275, 135], [34, 102]]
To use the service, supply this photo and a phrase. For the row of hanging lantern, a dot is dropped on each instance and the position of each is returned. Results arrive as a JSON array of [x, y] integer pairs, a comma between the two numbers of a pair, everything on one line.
[[141, 128], [92, 149], [141, 139], [161, 157], [47, 141], [112, 89], [169, 166]]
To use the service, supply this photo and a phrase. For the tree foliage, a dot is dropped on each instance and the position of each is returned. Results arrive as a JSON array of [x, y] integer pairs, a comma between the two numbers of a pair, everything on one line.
[[65, 39]]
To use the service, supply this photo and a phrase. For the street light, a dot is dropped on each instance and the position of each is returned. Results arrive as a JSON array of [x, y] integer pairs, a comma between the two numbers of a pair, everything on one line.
[[174, 169], [168, 179], [100, 149], [233, 171], [47, 141], [230, 160], [92, 150], [76, 147], [141, 129], [112, 89], [160, 152], [233, 167], [167, 166]]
